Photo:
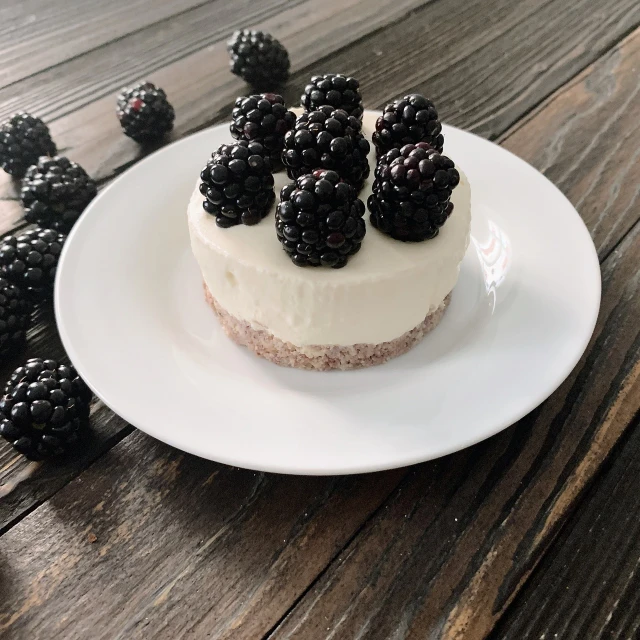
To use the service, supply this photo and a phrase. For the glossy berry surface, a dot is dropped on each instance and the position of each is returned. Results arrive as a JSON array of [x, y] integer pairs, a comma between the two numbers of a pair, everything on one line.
[[44, 409], [23, 139], [55, 191], [29, 261], [237, 184], [407, 121], [15, 317], [412, 191], [319, 220], [336, 90], [263, 118], [258, 58], [327, 138], [144, 112]]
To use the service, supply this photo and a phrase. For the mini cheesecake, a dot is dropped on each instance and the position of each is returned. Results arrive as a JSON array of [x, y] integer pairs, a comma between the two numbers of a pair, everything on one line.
[[381, 304]]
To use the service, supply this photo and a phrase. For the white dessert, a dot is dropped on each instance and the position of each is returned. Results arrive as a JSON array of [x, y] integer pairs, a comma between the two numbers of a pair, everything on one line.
[[384, 291]]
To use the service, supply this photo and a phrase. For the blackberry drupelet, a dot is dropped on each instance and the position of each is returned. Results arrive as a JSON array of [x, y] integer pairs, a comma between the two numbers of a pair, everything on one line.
[[258, 58], [341, 92], [407, 121], [319, 220], [23, 139], [327, 138], [144, 112], [44, 409], [15, 315], [237, 184], [55, 192], [30, 259], [412, 191], [265, 119]]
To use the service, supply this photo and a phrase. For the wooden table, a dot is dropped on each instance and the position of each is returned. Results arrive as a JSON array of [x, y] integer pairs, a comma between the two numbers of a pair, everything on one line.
[[531, 534]]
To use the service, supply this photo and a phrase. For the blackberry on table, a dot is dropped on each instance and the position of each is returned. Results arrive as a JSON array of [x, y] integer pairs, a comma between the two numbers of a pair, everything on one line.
[[15, 315], [23, 139], [341, 92], [319, 220], [237, 184], [55, 191], [258, 58], [327, 138], [44, 409], [144, 112], [408, 121], [412, 191], [29, 261], [265, 119]]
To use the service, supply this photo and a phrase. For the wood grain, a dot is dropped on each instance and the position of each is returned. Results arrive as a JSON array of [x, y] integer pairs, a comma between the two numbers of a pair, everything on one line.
[[588, 585], [451, 547], [37, 35], [173, 546]]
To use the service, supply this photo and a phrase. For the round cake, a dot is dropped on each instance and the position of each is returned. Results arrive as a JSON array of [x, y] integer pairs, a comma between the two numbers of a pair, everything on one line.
[[382, 303]]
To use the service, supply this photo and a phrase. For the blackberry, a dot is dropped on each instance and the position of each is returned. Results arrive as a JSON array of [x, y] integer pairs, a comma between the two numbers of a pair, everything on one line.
[[237, 184], [327, 138], [411, 192], [319, 220], [15, 315], [30, 260], [407, 121], [55, 192], [23, 139], [144, 112], [44, 409], [265, 119], [341, 92], [258, 58]]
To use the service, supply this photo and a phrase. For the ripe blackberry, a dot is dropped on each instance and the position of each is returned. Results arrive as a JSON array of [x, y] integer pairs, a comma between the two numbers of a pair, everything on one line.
[[237, 184], [411, 192], [30, 260], [265, 119], [55, 191], [144, 112], [327, 138], [319, 220], [44, 408], [23, 139], [341, 92], [258, 58], [15, 315], [407, 121]]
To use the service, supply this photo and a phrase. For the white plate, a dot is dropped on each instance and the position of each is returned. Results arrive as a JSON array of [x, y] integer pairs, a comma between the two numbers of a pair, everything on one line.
[[132, 317]]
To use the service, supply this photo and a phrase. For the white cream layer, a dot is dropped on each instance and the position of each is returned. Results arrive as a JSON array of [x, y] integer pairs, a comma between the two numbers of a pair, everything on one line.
[[385, 290]]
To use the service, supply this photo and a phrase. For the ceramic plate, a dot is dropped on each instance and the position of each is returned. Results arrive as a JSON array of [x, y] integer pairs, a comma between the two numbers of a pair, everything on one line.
[[132, 316]]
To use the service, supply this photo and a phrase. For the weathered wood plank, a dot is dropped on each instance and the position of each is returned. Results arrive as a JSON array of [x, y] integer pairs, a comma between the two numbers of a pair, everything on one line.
[[588, 585], [36, 35], [173, 546], [451, 547]]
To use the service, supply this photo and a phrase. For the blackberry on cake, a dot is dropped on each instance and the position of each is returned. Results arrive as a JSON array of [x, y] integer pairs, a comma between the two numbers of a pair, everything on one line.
[[258, 58], [336, 90], [55, 191], [23, 139], [412, 119], [319, 220], [15, 315], [327, 138], [144, 112], [44, 409], [29, 261], [412, 191], [237, 184], [263, 118]]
